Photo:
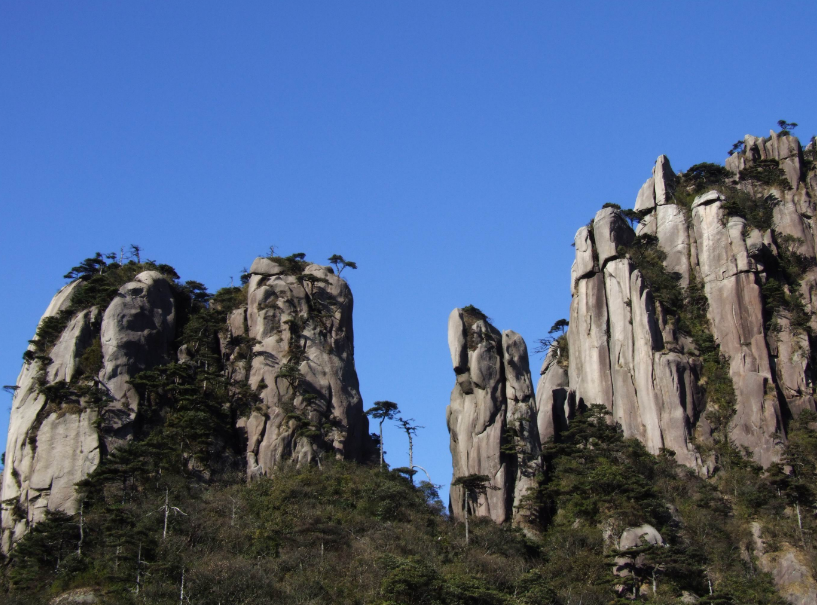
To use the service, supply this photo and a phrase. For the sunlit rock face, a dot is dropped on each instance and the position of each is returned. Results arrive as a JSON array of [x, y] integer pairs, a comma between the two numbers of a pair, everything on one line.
[[65, 417], [303, 368], [628, 352], [492, 417], [57, 433]]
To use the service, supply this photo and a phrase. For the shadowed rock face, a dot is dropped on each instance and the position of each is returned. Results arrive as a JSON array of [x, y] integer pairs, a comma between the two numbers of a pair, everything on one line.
[[303, 367], [492, 415], [625, 353]]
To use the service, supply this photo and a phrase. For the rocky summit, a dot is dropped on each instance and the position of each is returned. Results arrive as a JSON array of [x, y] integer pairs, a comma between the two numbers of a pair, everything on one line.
[[171, 445]]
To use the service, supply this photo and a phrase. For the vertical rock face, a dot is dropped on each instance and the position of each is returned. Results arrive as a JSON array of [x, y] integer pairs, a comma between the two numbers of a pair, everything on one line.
[[24, 502], [619, 356], [492, 414], [303, 368], [55, 443], [554, 406], [625, 350], [138, 328], [74, 402]]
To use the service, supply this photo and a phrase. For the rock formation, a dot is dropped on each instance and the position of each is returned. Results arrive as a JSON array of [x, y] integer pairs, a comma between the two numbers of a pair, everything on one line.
[[492, 416], [748, 242], [74, 402], [789, 568], [303, 366]]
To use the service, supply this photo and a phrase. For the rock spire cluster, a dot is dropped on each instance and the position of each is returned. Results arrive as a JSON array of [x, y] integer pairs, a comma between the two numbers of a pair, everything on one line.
[[694, 326]]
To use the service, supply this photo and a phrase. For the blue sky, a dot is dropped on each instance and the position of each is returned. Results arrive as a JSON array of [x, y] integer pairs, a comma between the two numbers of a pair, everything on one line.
[[451, 149]]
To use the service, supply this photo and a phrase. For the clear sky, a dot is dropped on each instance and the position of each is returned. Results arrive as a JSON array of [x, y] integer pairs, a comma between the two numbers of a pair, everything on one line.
[[451, 149]]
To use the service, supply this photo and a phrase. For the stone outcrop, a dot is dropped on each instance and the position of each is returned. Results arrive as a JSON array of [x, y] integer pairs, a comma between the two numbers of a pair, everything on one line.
[[554, 404], [53, 444], [296, 329], [789, 568], [29, 478], [620, 355], [492, 415], [632, 562], [302, 366], [625, 350], [138, 328]]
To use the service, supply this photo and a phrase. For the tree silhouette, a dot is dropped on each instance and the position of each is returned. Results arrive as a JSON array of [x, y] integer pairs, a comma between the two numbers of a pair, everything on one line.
[[472, 486], [382, 411], [411, 431], [786, 127], [341, 263]]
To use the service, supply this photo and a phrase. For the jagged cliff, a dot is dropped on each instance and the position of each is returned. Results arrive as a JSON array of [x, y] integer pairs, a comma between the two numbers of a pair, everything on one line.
[[283, 343], [701, 319]]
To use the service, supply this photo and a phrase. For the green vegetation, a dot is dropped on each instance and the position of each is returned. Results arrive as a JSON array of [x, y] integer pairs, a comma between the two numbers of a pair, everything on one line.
[[341, 263], [349, 533], [765, 173], [382, 411], [786, 127]]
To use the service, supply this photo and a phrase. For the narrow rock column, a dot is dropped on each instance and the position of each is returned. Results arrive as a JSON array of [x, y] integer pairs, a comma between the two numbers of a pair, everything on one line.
[[492, 416], [736, 316]]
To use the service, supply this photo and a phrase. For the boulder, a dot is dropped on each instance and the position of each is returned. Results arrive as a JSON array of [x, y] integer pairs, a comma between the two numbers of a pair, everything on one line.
[[789, 568], [585, 263], [665, 181], [646, 196]]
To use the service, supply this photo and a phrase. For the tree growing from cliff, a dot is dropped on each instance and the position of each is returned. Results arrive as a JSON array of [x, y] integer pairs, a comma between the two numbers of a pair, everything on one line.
[[341, 263], [786, 127], [559, 328], [473, 486], [382, 411], [738, 147]]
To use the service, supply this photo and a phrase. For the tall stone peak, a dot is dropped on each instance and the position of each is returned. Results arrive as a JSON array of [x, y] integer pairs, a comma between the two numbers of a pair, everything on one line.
[[721, 257], [492, 417], [285, 343]]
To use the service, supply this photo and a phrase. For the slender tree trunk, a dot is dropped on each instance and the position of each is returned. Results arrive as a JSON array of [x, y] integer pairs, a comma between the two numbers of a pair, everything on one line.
[[167, 512], [139, 568], [381, 445], [800, 523], [82, 529], [411, 458], [181, 594], [465, 509]]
